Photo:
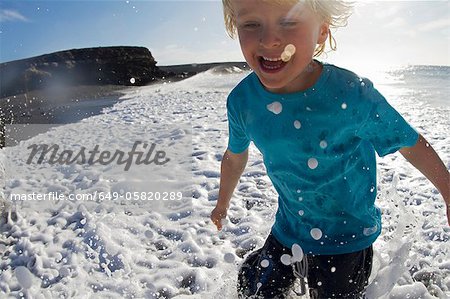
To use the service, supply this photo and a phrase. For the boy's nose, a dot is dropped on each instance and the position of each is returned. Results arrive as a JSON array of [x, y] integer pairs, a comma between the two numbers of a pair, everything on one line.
[[269, 38]]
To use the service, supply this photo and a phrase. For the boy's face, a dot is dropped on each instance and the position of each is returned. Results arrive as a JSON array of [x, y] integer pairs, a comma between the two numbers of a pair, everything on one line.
[[266, 29]]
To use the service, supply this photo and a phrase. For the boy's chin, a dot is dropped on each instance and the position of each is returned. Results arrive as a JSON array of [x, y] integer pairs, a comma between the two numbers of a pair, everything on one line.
[[274, 86]]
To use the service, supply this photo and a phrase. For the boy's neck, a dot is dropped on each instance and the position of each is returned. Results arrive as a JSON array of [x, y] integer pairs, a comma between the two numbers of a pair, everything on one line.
[[311, 75]]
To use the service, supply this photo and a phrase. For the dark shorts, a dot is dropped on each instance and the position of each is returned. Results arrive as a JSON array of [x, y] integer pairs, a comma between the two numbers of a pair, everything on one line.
[[263, 275]]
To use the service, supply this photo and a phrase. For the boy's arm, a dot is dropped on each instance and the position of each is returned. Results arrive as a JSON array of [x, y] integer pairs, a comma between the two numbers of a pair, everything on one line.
[[233, 166], [424, 158]]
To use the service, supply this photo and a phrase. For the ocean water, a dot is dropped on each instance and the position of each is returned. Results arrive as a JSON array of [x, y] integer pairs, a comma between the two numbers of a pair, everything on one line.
[[418, 83]]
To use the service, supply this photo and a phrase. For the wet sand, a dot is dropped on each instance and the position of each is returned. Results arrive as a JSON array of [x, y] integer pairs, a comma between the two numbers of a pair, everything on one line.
[[56, 106]]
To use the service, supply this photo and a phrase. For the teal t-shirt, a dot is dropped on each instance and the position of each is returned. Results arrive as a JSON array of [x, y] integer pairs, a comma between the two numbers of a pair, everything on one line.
[[319, 150]]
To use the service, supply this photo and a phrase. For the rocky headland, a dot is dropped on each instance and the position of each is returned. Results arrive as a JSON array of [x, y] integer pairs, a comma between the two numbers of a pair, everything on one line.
[[89, 66]]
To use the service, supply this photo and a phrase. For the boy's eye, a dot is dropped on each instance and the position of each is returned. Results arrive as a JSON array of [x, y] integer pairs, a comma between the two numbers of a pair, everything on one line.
[[289, 23], [250, 25]]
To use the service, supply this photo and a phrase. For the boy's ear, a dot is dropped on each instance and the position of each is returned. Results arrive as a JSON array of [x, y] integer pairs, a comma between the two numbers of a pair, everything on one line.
[[323, 33]]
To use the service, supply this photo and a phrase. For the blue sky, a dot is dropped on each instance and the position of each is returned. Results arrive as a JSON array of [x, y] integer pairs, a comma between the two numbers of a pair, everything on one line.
[[379, 32]]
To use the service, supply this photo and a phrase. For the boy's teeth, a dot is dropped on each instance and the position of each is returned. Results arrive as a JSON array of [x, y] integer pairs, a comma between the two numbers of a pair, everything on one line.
[[272, 59]]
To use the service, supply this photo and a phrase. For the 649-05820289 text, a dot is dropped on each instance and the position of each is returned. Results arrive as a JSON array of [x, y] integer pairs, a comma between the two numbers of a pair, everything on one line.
[[98, 196]]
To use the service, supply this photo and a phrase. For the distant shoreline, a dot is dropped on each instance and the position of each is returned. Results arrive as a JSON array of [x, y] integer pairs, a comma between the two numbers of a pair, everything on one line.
[[195, 68], [34, 106], [68, 104]]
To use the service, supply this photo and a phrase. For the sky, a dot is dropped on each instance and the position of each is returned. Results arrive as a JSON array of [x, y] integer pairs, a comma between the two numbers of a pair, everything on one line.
[[178, 32]]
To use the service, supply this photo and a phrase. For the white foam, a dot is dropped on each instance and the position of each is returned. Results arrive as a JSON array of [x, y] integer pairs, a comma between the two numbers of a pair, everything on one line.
[[229, 257], [24, 277], [90, 249]]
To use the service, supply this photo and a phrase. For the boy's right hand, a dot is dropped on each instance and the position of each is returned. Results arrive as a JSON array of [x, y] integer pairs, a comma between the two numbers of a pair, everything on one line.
[[217, 215]]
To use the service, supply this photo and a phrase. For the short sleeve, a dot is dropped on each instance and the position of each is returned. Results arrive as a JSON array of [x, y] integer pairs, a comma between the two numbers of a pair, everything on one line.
[[384, 127], [237, 140]]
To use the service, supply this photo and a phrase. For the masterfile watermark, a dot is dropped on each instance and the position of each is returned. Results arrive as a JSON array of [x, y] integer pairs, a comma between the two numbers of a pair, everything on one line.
[[141, 166], [54, 154]]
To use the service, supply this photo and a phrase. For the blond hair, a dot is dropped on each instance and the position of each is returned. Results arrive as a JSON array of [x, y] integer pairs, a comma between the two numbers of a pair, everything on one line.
[[333, 12]]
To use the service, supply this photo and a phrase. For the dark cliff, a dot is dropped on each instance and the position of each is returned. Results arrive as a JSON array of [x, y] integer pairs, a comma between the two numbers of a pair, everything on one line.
[[89, 66]]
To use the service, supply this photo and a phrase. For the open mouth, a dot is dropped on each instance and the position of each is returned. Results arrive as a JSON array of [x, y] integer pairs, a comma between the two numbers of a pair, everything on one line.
[[271, 65]]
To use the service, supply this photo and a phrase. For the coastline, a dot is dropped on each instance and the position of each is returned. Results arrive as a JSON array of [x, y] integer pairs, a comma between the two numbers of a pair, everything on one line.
[[53, 105]]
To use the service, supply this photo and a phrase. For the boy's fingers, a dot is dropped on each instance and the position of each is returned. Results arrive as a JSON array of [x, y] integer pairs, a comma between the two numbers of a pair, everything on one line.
[[217, 218], [216, 222]]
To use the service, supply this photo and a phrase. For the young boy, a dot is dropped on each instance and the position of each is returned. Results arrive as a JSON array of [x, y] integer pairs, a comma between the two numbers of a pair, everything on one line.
[[318, 128]]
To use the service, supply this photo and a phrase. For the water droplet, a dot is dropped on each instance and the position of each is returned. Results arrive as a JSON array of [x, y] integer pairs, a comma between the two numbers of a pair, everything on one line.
[[319, 283], [333, 269], [316, 233], [285, 57], [285, 259], [300, 198], [132, 80], [297, 253], [370, 230], [297, 124], [265, 263], [275, 107], [301, 212], [289, 50], [313, 163], [323, 144], [344, 106]]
